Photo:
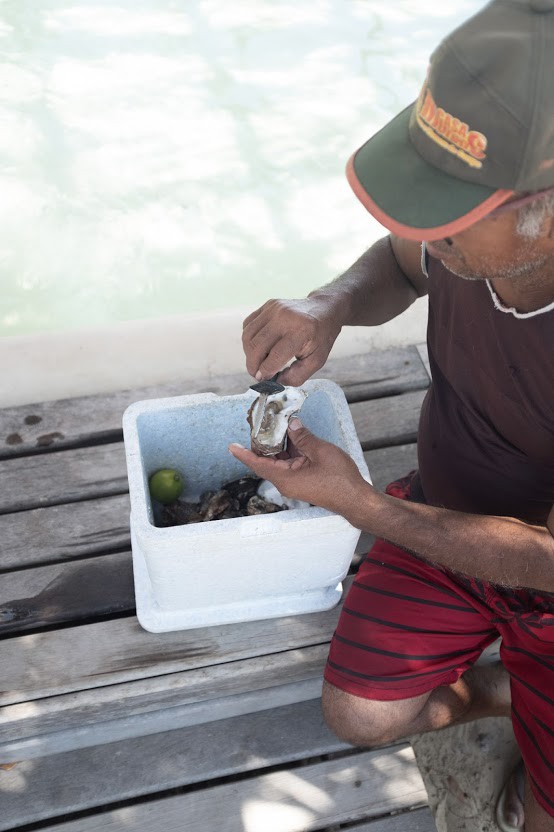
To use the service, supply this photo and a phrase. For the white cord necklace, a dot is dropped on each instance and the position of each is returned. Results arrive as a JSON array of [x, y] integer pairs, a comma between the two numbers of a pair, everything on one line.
[[510, 310]]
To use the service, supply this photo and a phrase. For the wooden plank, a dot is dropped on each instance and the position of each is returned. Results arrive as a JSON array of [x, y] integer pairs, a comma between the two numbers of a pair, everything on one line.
[[106, 653], [424, 355], [377, 374], [65, 532], [150, 705], [63, 477], [76, 592], [92, 777], [357, 787], [87, 473], [390, 421], [105, 733], [418, 820], [70, 423], [388, 464]]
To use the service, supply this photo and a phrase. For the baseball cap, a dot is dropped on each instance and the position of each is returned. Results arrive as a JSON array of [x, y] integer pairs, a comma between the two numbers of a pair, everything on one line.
[[481, 129]]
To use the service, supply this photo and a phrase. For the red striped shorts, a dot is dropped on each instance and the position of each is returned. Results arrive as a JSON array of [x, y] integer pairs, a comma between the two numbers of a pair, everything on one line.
[[408, 626]]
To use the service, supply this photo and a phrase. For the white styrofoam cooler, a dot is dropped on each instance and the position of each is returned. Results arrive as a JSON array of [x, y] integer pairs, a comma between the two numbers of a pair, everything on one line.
[[244, 568]]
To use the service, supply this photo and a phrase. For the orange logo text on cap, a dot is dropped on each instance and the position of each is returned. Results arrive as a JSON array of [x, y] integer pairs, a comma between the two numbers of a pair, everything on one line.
[[449, 132]]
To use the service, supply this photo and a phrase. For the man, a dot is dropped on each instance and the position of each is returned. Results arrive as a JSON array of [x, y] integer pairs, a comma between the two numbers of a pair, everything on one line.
[[466, 544]]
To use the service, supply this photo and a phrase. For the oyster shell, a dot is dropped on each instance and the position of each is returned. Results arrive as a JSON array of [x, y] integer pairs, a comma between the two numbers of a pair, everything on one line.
[[243, 488], [269, 417], [257, 505], [238, 498], [268, 492]]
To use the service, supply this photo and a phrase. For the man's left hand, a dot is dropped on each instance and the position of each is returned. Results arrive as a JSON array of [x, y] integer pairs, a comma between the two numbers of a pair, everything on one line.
[[311, 470]]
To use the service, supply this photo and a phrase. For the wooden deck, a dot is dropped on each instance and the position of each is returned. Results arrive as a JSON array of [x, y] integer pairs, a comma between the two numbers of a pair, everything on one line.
[[104, 726]]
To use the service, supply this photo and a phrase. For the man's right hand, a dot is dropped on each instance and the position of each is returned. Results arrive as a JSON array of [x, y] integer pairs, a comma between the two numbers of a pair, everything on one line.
[[280, 331], [380, 285]]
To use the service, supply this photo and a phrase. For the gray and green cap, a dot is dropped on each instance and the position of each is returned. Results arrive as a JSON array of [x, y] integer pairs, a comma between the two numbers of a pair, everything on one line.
[[481, 129]]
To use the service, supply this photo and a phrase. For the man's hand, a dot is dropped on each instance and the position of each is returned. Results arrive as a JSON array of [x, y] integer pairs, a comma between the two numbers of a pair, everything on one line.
[[283, 330], [380, 285], [314, 471]]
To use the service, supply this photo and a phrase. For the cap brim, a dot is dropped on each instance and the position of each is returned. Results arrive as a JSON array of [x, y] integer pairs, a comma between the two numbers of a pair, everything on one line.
[[408, 195]]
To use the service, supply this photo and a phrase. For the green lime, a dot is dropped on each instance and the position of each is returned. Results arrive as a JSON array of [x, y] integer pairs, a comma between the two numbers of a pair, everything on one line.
[[166, 485]]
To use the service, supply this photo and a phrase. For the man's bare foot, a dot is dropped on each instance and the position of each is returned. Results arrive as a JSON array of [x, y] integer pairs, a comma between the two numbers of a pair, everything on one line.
[[509, 809]]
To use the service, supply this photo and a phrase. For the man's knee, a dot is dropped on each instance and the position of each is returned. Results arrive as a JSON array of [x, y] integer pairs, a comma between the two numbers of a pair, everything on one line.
[[367, 722]]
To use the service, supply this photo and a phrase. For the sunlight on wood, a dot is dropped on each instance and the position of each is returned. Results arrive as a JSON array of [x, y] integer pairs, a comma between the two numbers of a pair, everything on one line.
[[13, 777], [270, 816], [126, 816]]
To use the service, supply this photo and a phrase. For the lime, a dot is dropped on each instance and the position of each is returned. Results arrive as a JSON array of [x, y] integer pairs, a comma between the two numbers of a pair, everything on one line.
[[166, 485]]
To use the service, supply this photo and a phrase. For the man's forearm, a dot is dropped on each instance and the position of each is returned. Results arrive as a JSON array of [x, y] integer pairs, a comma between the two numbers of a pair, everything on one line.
[[500, 550], [373, 290]]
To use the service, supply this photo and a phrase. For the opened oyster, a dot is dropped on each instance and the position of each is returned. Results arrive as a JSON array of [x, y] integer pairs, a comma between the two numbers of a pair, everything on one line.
[[269, 417]]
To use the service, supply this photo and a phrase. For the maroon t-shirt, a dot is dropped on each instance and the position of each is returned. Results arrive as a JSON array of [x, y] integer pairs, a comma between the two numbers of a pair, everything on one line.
[[486, 433]]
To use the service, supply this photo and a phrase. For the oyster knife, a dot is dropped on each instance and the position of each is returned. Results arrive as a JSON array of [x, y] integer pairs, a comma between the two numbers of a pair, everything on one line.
[[267, 388]]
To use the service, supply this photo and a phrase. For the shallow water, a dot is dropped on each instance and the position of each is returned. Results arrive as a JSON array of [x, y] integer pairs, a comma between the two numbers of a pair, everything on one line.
[[163, 157]]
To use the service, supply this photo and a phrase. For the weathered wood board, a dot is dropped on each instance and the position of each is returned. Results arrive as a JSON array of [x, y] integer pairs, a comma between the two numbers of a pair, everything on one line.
[[418, 820], [76, 592], [64, 532], [63, 477], [137, 708], [106, 653], [356, 787], [97, 776], [390, 421]]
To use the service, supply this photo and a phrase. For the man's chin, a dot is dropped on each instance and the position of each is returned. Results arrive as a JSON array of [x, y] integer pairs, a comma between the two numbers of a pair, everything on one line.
[[452, 263], [463, 275]]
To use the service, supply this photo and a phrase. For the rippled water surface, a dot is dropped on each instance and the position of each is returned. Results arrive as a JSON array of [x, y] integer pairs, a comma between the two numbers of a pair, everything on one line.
[[161, 157]]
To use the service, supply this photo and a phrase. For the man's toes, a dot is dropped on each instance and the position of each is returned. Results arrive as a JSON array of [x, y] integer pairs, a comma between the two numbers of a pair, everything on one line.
[[510, 809], [513, 808]]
